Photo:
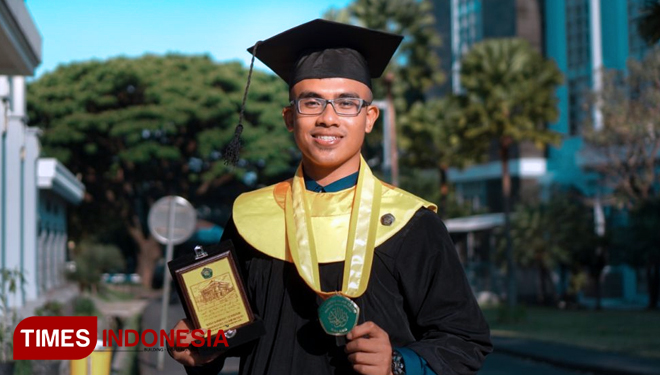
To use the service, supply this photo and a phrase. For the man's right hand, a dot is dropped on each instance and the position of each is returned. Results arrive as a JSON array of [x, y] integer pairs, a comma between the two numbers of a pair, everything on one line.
[[188, 355]]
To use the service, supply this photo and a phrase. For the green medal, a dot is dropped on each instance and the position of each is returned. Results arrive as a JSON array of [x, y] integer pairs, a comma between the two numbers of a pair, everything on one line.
[[338, 315]]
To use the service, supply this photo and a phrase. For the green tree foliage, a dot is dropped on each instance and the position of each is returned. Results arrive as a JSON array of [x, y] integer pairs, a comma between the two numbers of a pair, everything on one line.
[[534, 246], [425, 133], [559, 232], [649, 22], [135, 130], [624, 153], [416, 65], [92, 260], [624, 150], [509, 96], [433, 137], [639, 245]]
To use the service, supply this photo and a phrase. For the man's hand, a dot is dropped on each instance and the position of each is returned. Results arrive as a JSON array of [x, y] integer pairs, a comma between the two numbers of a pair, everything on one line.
[[369, 349], [188, 355]]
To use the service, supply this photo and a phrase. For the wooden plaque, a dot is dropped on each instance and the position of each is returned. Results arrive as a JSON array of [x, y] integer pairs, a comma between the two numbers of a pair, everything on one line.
[[211, 290]]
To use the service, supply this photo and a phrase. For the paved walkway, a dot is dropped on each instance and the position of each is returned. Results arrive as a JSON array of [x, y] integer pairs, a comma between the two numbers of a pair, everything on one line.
[[577, 358], [148, 360]]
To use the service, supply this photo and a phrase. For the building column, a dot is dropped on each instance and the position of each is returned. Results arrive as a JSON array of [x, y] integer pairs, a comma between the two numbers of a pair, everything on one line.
[[41, 260], [61, 258], [596, 58], [31, 217], [48, 255], [455, 47], [13, 186]]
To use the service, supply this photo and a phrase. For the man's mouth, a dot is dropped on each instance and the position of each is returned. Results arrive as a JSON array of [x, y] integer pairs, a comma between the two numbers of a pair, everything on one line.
[[327, 138]]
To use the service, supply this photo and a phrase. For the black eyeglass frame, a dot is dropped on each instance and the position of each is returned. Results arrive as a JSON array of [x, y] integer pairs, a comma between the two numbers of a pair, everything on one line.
[[363, 104]]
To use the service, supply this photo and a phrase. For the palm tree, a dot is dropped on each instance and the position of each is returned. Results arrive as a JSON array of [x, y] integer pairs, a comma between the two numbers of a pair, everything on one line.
[[509, 95], [649, 22]]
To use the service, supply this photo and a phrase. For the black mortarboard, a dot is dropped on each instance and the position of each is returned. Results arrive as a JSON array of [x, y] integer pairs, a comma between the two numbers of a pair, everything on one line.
[[320, 49], [326, 49]]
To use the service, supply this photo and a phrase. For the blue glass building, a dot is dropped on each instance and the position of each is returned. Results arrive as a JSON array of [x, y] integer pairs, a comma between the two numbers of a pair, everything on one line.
[[581, 36]]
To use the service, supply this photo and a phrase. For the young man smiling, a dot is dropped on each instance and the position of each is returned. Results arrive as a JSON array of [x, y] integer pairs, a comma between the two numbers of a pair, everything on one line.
[[336, 252], [330, 142]]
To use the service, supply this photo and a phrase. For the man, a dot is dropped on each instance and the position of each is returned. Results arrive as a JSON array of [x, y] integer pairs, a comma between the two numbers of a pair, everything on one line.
[[334, 250]]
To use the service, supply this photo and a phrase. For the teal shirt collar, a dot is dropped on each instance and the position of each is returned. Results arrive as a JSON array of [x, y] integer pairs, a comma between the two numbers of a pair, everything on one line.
[[339, 185]]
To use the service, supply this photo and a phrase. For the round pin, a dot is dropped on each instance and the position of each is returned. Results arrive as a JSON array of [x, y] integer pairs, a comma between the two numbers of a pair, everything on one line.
[[338, 315], [387, 219]]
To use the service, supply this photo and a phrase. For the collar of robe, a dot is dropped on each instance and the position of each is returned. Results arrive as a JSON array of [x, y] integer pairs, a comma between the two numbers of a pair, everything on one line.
[[259, 217]]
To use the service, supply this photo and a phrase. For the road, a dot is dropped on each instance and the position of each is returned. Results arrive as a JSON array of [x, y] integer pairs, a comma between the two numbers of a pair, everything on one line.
[[503, 364]]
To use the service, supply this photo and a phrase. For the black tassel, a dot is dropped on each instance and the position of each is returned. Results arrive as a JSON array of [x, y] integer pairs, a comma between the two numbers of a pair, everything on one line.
[[233, 150]]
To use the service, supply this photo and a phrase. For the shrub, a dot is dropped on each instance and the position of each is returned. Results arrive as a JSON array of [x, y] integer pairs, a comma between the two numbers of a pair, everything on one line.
[[84, 306], [50, 308], [91, 261]]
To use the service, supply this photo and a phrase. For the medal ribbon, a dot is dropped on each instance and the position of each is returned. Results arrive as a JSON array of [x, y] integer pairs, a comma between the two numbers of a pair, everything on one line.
[[361, 234]]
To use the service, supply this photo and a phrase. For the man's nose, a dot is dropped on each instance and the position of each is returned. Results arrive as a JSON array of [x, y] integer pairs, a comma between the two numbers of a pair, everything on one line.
[[329, 116]]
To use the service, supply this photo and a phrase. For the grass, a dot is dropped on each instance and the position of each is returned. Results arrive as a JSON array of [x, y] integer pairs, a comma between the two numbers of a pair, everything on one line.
[[631, 332], [125, 292]]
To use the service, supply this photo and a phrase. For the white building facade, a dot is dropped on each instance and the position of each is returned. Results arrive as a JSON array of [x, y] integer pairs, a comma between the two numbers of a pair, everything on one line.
[[34, 192]]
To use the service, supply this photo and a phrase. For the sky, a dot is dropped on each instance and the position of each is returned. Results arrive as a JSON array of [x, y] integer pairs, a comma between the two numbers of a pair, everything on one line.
[[80, 30]]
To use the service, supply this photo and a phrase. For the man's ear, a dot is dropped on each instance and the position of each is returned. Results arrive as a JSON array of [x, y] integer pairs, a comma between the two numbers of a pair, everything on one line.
[[372, 115], [287, 115]]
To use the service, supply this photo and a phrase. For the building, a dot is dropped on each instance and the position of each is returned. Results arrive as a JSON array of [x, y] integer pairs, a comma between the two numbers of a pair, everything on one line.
[[461, 24], [34, 192], [581, 36]]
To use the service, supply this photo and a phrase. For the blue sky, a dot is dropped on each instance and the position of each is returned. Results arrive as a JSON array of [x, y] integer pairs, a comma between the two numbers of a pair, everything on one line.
[[78, 30]]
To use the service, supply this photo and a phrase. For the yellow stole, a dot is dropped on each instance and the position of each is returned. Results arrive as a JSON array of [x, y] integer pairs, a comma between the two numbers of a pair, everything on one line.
[[260, 218]]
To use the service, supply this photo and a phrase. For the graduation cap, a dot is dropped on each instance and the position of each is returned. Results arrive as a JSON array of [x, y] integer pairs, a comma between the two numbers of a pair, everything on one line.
[[326, 49], [320, 49]]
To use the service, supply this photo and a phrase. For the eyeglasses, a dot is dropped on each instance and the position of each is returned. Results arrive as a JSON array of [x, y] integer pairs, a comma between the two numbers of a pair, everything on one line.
[[342, 106]]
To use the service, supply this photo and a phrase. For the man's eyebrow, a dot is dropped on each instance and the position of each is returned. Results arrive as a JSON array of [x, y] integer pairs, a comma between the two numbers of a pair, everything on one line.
[[308, 94], [349, 95], [312, 94]]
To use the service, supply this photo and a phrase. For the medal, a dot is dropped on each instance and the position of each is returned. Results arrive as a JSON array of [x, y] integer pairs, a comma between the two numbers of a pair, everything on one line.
[[338, 314]]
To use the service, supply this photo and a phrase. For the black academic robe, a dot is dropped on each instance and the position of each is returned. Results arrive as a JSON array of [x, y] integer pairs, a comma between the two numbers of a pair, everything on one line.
[[417, 293]]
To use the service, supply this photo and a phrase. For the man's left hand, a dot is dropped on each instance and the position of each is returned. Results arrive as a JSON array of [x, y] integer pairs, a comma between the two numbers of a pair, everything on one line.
[[369, 349]]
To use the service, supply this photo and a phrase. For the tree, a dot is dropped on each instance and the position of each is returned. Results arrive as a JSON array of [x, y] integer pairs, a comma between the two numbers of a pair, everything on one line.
[[558, 233], [534, 245], [624, 150], [432, 135], [574, 229], [649, 22], [424, 135], [134, 130], [416, 66], [92, 261], [509, 96], [640, 245]]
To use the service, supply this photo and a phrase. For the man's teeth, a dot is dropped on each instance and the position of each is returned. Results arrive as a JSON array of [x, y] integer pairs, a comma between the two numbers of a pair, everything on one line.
[[327, 137]]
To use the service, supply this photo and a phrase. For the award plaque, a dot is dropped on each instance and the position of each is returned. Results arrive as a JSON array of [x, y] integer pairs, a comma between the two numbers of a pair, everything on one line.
[[212, 294]]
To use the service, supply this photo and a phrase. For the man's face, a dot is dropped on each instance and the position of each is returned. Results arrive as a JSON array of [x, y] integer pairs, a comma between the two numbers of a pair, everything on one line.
[[330, 142]]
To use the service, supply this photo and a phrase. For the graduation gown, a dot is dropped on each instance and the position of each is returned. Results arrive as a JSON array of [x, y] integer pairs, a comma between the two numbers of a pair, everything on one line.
[[417, 291]]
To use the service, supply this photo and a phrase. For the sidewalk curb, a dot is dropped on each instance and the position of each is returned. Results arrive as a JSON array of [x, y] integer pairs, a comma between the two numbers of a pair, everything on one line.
[[582, 359]]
